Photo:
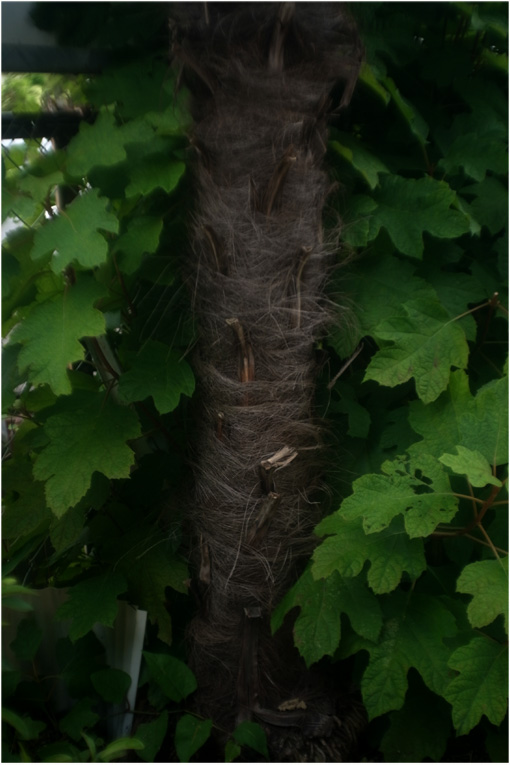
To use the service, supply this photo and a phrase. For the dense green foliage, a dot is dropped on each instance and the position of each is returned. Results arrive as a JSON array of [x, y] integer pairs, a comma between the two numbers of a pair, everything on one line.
[[407, 589]]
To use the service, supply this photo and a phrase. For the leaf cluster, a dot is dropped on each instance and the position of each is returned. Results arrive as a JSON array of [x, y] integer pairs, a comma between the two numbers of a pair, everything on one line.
[[409, 582], [407, 586]]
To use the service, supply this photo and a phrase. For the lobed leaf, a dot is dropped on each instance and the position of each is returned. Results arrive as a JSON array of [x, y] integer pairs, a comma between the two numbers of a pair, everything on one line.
[[406, 208], [418, 489], [51, 334], [487, 581], [92, 601], [425, 345], [87, 433], [73, 235], [479, 423], [481, 686], [413, 635], [159, 372], [389, 552], [317, 628], [473, 464]]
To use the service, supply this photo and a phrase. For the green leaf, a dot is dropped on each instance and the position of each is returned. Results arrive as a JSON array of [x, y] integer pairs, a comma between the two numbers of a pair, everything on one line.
[[478, 423], [417, 124], [142, 236], [156, 171], [174, 678], [232, 751], [251, 734], [26, 728], [111, 684], [419, 730], [150, 571], [118, 749], [390, 553], [471, 463], [419, 489], [369, 78], [487, 581], [95, 145], [29, 192], [52, 330], [159, 372], [92, 601], [317, 628], [152, 735], [27, 641], [68, 529], [191, 733], [426, 344], [412, 636], [366, 163], [74, 234], [481, 686], [477, 152], [490, 206], [25, 509], [88, 434], [80, 717], [378, 295], [406, 208]]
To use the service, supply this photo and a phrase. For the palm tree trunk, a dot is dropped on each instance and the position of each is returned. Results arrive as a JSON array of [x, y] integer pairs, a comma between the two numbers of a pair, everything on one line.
[[261, 75]]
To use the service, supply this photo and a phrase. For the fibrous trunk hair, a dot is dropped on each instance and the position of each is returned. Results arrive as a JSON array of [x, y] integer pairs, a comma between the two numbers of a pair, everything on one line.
[[261, 75]]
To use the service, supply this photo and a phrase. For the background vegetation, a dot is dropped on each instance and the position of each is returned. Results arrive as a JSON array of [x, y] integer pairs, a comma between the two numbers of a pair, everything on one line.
[[406, 594]]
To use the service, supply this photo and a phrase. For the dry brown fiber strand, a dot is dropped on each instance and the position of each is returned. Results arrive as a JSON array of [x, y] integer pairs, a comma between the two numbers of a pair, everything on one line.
[[261, 75]]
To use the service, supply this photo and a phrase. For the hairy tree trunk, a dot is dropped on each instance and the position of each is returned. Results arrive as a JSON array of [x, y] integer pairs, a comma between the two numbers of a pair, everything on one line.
[[261, 75]]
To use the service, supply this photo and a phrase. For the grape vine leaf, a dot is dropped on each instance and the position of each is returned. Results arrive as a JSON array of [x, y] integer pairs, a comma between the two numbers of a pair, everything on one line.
[[156, 171], [27, 195], [487, 581], [317, 628], [173, 676], [457, 418], [191, 733], [481, 686], [102, 144], [92, 601], [51, 332], [159, 372], [490, 205], [73, 235], [466, 151], [406, 208], [142, 236], [67, 530], [149, 572], [473, 464], [417, 124], [426, 344], [420, 729], [86, 433], [366, 163], [390, 553], [25, 508], [413, 633], [378, 295], [417, 488]]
